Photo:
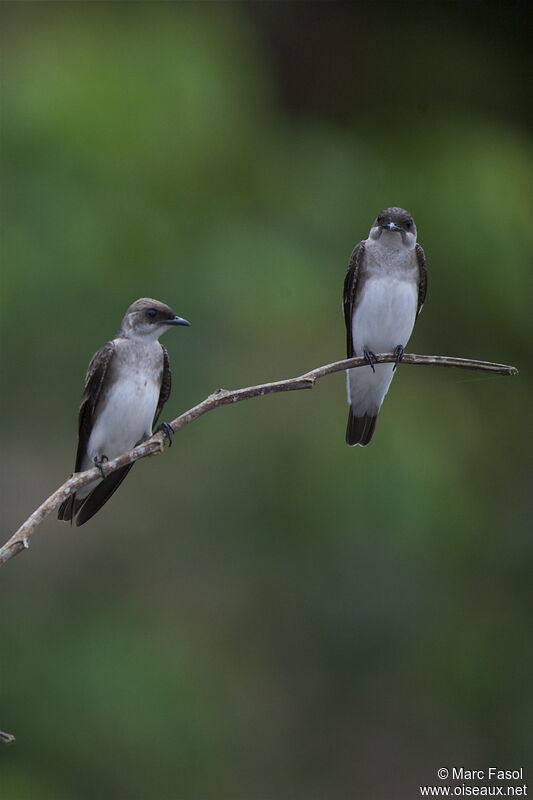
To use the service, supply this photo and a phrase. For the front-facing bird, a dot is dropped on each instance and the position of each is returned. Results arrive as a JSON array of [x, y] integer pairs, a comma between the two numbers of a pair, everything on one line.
[[126, 386], [384, 291]]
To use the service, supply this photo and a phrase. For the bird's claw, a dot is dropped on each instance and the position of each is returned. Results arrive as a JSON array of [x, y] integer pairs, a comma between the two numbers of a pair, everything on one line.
[[99, 462], [398, 352], [370, 358], [166, 428]]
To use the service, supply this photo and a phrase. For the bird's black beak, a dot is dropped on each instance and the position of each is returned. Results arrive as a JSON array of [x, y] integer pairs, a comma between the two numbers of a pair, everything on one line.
[[177, 321], [390, 226]]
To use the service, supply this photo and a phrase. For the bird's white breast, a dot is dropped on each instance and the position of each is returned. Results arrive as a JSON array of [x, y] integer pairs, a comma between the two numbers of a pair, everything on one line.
[[125, 418], [383, 318], [386, 309], [126, 412], [385, 314]]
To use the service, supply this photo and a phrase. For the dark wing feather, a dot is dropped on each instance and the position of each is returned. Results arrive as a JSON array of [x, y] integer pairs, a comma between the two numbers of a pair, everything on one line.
[[69, 508], [350, 289], [101, 494], [94, 380], [166, 383], [422, 277]]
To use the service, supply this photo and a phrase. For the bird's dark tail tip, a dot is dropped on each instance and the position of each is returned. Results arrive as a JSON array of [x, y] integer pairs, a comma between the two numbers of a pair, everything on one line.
[[67, 509], [360, 429]]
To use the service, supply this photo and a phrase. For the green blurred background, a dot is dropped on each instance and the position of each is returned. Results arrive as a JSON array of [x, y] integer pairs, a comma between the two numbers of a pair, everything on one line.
[[264, 613]]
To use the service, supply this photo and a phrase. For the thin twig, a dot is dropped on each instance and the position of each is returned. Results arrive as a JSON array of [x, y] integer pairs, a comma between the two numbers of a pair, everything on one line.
[[156, 444]]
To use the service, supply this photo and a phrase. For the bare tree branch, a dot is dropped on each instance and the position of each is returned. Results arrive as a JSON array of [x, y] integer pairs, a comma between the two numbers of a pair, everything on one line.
[[222, 397]]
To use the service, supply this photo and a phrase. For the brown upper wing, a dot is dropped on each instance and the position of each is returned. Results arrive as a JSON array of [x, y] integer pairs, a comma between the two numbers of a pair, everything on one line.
[[350, 290], [166, 383], [422, 277], [94, 380]]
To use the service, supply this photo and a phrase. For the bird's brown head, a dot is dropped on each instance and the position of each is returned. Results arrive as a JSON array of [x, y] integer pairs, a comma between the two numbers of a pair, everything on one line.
[[395, 220], [149, 318]]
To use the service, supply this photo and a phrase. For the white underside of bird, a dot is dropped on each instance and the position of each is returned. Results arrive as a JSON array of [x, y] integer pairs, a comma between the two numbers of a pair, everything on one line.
[[383, 319], [127, 413]]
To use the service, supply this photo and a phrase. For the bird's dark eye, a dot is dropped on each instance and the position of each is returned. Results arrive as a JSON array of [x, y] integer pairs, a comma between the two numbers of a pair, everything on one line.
[[379, 220], [152, 313], [408, 224]]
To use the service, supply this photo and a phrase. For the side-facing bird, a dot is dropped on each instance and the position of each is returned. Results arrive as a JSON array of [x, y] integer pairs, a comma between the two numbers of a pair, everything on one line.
[[384, 291], [127, 384]]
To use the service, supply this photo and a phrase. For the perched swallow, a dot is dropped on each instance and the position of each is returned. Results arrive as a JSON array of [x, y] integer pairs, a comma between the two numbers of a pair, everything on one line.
[[384, 291], [126, 386]]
